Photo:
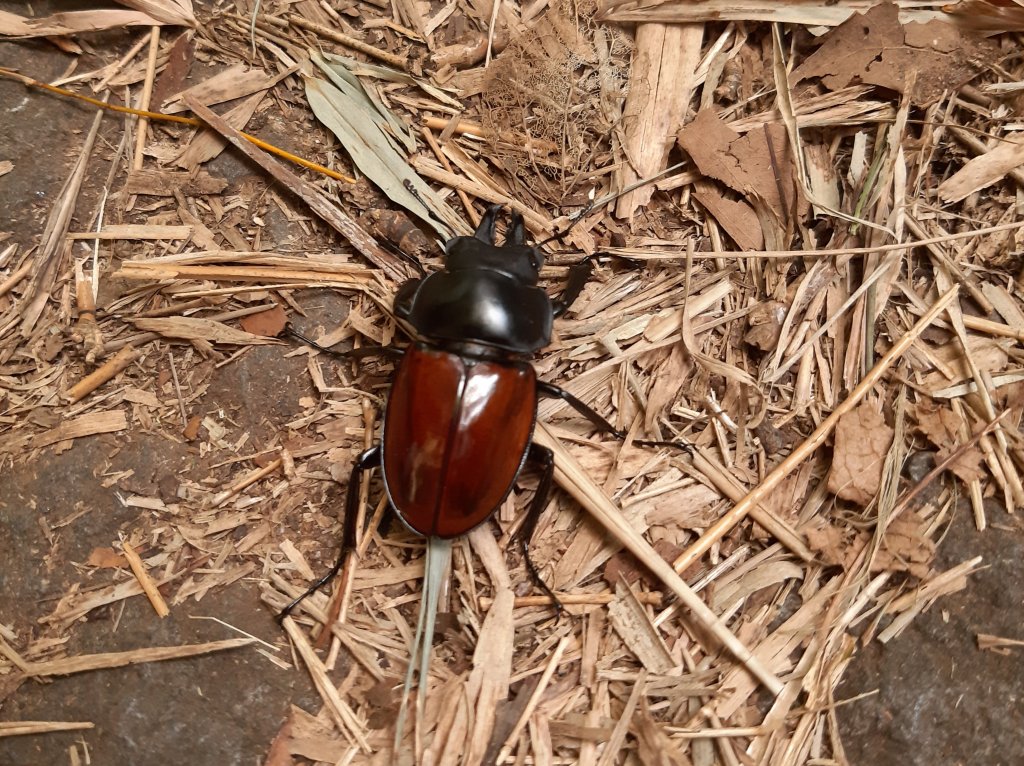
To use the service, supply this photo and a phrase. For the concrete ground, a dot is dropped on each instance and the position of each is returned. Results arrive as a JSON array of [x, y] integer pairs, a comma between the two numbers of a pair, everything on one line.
[[219, 709]]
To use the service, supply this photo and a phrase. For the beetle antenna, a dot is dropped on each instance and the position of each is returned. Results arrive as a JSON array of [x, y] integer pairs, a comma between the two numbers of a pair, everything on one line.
[[404, 256], [574, 219], [419, 198], [596, 203]]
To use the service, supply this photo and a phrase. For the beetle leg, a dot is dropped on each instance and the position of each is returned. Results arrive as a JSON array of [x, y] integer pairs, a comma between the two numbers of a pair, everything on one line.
[[578, 277], [548, 389], [545, 458], [488, 221], [369, 459], [362, 352]]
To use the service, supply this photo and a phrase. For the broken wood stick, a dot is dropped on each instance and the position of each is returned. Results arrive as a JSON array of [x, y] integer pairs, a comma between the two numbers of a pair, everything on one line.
[[148, 586], [245, 481], [101, 375]]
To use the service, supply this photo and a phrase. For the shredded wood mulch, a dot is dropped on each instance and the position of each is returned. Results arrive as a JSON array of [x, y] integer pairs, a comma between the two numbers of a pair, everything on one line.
[[811, 218]]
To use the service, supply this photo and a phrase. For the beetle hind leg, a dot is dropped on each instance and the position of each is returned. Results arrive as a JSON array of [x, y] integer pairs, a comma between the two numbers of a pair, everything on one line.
[[545, 459], [369, 459]]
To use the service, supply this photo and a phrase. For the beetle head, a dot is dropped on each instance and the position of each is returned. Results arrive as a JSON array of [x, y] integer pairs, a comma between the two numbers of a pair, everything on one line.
[[515, 258]]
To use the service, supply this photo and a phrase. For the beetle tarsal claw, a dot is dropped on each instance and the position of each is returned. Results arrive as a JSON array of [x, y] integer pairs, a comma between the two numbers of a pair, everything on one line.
[[658, 443]]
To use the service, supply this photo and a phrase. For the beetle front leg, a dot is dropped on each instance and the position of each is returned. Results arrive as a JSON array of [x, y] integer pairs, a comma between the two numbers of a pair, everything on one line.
[[355, 353], [369, 459], [545, 459], [548, 389], [579, 275]]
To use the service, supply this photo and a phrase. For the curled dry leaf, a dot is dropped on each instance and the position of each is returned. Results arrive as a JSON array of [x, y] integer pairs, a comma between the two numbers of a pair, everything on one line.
[[744, 163], [833, 545], [942, 428], [861, 442], [268, 323], [874, 47], [765, 321], [106, 558], [747, 165], [905, 547]]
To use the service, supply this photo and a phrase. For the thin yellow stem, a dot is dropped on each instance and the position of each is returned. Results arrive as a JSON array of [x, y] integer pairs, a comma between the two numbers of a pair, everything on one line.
[[193, 121]]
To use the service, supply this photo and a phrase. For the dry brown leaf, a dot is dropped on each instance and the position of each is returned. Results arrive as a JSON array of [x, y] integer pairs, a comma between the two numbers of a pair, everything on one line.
[[861, 441], [905, 547], [827, 541], [267, 323], [942, 427], [743, 162], [967, 466], [228, 85], [666, 385], [106, 558], [765, 321], [939, 424], [191, 430], [207, 144], [179, 61], [735, 216], [875, 48]]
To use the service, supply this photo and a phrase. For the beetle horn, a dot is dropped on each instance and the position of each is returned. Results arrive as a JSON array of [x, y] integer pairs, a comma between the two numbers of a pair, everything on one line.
[[485, 231], [516, 231]]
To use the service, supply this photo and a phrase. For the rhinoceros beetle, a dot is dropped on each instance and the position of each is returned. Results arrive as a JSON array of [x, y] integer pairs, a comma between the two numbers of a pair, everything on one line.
[[459, 420]]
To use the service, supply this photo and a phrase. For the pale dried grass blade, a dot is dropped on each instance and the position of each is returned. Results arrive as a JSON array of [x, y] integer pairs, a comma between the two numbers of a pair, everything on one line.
[[106, 661], [804, 12], [18, 728]]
